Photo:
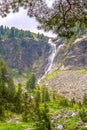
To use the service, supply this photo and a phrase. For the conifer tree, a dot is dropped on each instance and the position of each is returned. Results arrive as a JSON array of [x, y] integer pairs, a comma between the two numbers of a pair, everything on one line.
[[18, 99], [47, 96], [43, 95], [7, 88], [31, 82], [37, 98], [44, 121]]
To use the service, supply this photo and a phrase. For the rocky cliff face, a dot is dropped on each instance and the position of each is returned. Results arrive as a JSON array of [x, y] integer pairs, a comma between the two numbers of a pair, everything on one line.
[[23, 54], [72, 57]]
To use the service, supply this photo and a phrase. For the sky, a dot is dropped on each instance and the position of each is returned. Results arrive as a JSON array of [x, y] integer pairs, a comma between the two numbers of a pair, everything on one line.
[[21, 20]]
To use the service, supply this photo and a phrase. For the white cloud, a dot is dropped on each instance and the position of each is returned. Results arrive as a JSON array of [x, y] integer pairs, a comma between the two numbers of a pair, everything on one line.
[[20, 20], [49, 2]]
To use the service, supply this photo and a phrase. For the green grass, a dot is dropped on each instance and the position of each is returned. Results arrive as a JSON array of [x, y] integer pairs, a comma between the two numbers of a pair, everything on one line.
[[15, 73], [55, 73], [15, 126], [52, 75], [28, 71], [83, 71], [56, 107], [70, 123], [21, 74]]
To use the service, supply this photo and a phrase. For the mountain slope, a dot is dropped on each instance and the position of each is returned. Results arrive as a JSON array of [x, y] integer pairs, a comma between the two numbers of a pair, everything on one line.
[[70, 72], [23, 54], [72, 57]]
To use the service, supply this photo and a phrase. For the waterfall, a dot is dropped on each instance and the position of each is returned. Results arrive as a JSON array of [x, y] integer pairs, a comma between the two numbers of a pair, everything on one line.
[[50, 59]]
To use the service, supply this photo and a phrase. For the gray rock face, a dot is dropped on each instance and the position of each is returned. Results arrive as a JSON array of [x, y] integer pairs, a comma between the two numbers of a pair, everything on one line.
[[22, 54], [73, 57]]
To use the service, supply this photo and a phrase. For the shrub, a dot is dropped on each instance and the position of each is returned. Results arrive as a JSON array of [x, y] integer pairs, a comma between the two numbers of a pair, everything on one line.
[[85, 99], [83, 115], [63, 102]]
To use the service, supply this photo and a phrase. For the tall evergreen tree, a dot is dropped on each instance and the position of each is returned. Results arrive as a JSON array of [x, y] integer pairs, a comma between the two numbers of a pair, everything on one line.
[[37, 98], [7, 88], [31, 82], [18, 99]]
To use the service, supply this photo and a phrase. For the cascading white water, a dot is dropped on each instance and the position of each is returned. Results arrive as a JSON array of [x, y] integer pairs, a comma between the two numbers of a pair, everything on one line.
[[50, 59]]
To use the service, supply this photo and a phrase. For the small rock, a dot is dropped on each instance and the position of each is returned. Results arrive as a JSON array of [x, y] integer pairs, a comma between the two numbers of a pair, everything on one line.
[[80, 123], [69, 113], [59, 116], [28, 129], [60, 127], [73, 114], [14, 120], [85, 124]]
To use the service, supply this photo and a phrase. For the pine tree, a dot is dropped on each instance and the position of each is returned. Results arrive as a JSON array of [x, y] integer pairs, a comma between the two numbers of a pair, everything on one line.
[[47, 97], [26, 110], [43, 95], [7, 88], [28, 107], [37, 98], [18, 99], [31, 82], [44, 121]]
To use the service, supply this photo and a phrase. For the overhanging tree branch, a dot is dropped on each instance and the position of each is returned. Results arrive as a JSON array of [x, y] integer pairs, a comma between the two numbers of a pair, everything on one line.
[[61, 18]]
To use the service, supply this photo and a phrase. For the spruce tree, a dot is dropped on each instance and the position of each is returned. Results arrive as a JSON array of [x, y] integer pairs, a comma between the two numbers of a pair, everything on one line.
[[31, 82], [18, 99], [7, 88], [47, 96]]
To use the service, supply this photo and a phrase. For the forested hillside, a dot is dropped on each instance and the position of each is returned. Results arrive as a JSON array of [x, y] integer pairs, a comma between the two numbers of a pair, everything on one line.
[[7, 33]]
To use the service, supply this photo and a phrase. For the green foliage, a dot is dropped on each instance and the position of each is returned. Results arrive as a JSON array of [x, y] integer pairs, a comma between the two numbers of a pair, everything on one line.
[[29, 71], [2, 114], [7, 88], [26, 107], [68, 12], [15, 126], [73, 101], [85, 99], [54, 96], [83, 115], [45, 95], [18, 99], [6, 33], [83, 71], [44, 121], [37, 97], [37, 107], [64, 102], [31, 82], [51, 75]]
